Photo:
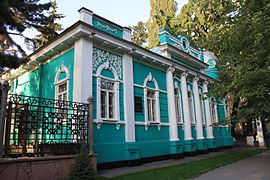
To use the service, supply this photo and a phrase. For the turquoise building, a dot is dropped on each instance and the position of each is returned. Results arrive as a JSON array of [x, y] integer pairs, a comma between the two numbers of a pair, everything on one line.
[[147, 104]]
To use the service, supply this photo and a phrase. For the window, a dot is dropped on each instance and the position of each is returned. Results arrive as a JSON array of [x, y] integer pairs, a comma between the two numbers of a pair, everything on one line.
[[178, 107], [61, 83], [213, 107], [191, 108], [62, 91], [202, 108], [107, 99], [151, 100], [151, 103], [107, 96]]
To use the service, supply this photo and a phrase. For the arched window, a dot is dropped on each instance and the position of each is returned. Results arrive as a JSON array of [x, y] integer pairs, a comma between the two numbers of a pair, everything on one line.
[[213, 108], [178, 103], [107, 93], [202, 106], [61, 82], [151, 100], [191, 105]]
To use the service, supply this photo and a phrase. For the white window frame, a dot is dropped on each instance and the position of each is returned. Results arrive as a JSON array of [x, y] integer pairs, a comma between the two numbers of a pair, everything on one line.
[[58, 82], [178, 104], [213, 110], [202, 105], [191, 106], [116, 116], [150, 78]]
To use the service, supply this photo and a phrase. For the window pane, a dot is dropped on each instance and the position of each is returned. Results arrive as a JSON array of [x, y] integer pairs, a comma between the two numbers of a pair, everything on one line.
[[153, 110], [106, 84], [111, 105], [149, 110], [62, 87], [103, 104]]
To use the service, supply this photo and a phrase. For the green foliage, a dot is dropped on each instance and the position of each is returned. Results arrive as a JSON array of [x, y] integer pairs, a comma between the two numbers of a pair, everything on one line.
[[198, 19], [191, 169], [49, 31], [82, 169], [244, 59], [161, 14], [139, 34], [16, 17]]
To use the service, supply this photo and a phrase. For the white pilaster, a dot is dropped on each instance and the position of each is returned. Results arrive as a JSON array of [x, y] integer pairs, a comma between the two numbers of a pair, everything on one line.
[[127, 34], [199, 129], [86, 15], [260, 136], [186, 107], [82, 78], [129, 98], [209, 129], [171, 105]]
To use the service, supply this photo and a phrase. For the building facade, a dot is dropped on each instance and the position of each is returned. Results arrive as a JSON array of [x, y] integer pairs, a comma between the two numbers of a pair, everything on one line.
[[146, 103]]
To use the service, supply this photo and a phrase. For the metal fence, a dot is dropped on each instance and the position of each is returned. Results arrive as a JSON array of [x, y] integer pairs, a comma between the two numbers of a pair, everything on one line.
[[39, 126]]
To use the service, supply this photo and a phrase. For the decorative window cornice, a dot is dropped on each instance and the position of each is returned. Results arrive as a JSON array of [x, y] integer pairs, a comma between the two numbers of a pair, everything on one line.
[[101, 57]]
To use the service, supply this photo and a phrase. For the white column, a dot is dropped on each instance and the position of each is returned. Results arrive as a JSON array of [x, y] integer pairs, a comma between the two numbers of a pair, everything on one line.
[[171, 105], [186, 107], [260, 137], [129, 98], [199, 129], [82, 78], [209, 129]]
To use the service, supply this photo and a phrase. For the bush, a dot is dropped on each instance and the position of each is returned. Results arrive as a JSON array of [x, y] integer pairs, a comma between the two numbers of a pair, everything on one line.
[[82, 168]]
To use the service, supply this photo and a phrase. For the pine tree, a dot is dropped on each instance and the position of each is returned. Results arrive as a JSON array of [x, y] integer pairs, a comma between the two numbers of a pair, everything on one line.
[[16, 16], [161, 13], [51, 29], [82, 168]]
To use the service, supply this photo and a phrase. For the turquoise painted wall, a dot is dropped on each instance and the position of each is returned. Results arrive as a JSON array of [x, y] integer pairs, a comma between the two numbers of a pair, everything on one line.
[[153, 142], [107, 27], [109, 143], [141, 71], [51, 68], [40, 82], [28, 84]]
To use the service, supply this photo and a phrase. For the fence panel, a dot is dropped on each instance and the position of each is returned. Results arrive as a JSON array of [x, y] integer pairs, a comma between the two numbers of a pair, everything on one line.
[[41, 126]]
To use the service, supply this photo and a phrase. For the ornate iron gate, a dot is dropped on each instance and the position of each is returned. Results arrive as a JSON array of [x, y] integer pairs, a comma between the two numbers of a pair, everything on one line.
[[41, 126]]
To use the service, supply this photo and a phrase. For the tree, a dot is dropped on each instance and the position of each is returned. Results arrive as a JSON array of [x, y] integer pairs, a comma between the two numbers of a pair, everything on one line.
[[198, 18], [162, 12], [82, 168], [244, 60], [139, 34], [51, 29], [16, 16]]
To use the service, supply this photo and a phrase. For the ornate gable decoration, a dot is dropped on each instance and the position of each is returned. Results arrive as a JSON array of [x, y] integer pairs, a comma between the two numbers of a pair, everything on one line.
[[101, 56]]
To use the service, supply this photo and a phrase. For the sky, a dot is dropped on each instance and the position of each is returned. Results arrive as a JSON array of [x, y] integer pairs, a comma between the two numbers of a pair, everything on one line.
[[122, 12]]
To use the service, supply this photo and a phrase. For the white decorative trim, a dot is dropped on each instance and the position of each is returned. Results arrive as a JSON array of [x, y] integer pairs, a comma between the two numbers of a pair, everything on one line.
[[58, 82], [140, 86], [63, 68], [157, 105], [116, 93], [107, 27], [105, 121], [108, 60]]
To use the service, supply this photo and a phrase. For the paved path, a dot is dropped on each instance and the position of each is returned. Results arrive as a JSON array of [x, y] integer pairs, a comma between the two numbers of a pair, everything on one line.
[[165, 163], [253, 168]]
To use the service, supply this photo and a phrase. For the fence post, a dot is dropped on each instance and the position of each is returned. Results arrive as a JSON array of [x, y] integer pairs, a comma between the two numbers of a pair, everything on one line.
[[90, 126], [4, 90]]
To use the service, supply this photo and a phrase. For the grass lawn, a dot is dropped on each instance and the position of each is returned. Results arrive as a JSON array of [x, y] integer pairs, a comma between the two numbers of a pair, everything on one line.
[[190, 169]]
